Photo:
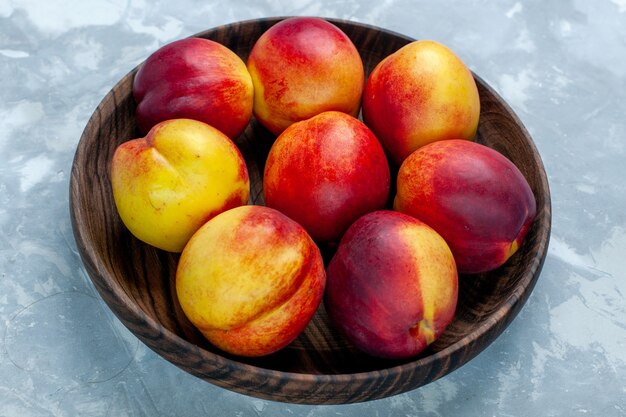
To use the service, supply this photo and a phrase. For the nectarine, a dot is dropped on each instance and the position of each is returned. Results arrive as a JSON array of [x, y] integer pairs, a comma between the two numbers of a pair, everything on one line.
[[198, 79], [167, 184], [392, 285], [303, 66], [325, 172], [473, 196], [250, 280], [420, 94]]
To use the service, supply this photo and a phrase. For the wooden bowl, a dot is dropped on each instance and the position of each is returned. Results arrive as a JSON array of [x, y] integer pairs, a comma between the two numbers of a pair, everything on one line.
[[320, 367]]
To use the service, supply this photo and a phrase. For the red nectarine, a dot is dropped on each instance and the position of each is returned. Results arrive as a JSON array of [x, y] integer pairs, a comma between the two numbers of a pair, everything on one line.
[[325, 172], [392, 286], [473, 196]]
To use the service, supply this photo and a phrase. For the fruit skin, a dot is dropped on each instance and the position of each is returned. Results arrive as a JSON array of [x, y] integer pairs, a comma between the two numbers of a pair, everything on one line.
[[198, 79], [392, 286], [325, 172], [303, 66], [170, 182], [420, 94], [250, 280], [473, 196]]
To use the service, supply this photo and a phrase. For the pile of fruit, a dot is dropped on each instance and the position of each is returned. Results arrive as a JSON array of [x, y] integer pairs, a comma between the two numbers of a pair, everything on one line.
[[250, 277]]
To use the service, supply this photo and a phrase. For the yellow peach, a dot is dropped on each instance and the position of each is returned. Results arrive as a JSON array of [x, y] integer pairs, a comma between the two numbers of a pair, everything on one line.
[[169, 183]]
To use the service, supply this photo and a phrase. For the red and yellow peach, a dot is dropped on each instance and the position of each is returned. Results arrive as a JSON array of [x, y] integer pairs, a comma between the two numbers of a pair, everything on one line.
[[420, 94], [303, 66], [325, 172], [198, 79], [392, 285], [473, 196], [250, 280]]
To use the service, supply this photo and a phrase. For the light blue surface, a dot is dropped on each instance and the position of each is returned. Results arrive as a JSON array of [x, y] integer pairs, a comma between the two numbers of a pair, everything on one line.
[[560, 65]]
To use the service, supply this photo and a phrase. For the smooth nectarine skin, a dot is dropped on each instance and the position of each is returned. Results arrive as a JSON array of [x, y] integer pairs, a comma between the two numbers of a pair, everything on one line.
[[169, 183], [198, 79], [325, 172], [303, 66], [474, 197], [392, 286], [420, 94], [250, 280]]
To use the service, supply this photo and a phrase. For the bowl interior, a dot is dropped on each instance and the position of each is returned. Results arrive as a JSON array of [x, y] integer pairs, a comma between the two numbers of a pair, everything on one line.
[[137, 281]]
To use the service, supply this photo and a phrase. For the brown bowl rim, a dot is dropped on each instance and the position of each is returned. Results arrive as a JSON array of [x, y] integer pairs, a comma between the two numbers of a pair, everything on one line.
[[482, 335]]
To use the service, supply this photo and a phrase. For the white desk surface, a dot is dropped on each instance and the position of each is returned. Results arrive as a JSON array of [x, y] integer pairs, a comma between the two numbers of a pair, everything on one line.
[[560, 65]]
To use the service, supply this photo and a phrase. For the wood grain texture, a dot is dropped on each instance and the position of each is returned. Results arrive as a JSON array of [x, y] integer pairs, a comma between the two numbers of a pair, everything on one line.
[[320, 367]]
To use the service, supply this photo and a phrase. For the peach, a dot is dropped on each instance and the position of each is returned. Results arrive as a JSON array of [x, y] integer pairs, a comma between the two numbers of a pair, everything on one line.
[[420, 94], [473, 196], [198, 79], [392, 285], [303, 66], [250, 280], [325, 172], [170, 182]]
